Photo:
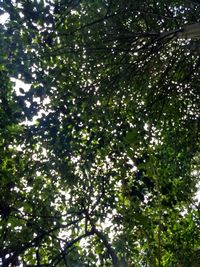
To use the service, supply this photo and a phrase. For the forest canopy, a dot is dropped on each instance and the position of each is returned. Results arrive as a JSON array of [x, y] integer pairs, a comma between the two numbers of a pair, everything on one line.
[[99, 158]]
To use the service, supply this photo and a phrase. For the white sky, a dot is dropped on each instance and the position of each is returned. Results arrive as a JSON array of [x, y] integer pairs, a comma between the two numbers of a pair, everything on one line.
[[3, 18]]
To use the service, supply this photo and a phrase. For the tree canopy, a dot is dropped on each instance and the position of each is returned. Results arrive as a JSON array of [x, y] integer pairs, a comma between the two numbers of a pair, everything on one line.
[[99, 158]]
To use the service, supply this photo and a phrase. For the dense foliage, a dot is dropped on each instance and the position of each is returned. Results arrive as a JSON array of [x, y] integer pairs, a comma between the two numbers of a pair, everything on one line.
[[99, 158]]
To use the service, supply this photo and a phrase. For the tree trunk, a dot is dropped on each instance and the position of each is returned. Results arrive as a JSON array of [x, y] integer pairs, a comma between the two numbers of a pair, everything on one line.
[[111, 251], [190, 31]]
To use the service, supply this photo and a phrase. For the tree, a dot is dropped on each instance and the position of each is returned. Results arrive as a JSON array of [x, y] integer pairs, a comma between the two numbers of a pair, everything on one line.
[[103, 175]]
